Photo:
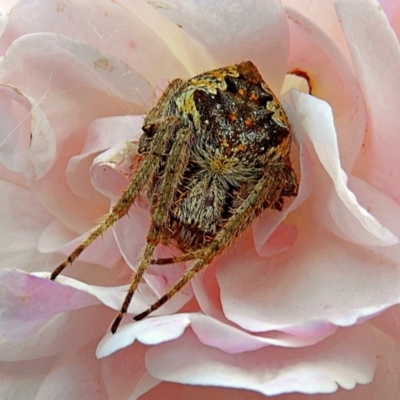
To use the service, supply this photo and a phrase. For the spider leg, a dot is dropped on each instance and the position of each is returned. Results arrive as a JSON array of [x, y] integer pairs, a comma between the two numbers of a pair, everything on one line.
[[266, 191], [123, 205], [175, 260], [176, 163]]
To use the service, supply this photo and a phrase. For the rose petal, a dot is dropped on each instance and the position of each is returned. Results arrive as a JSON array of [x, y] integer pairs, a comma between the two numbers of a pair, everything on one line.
[[112, 297], [263, 31], [149, 331], [348, 219], [269, 221], [130, 233], [29, 300], [22, 380], [46, 56], [102, 134], [64, 332], [131, 31], [112, 170], [23, 219], [24, 138], [113, 137], [392, 11], [330, 79], [103, 251], [213, 333], [75, 375], [321, 14], [23, 299], [278, 293], [380, 83], [344, 359], [125, 375], [7, 5]]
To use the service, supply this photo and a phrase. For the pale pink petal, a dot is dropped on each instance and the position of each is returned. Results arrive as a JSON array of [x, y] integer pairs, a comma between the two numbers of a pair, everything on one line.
[[130, 233], [389, 322], [392, 11], [27, 139], [280, 240], [125, 374], [102, 134], [341, 212], [149, 331], [104, 251], [380, 205], [45, 55], [15, 128], [75, 375], [66, 75], [23, 219], [344, 359], [331, 79], [256, 32], [112, 171], [173, 391], [67, 331], [321, 14], [231, 339], [278, 293], [378, 70], [131, 31], [270, 220], [386, 382], [23, 297], [211, 332], [53, 236], [22, 380], [111, 296], [7, 5]]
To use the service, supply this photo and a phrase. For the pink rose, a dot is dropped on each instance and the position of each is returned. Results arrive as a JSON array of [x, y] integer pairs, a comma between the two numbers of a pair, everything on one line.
[[302, 301]]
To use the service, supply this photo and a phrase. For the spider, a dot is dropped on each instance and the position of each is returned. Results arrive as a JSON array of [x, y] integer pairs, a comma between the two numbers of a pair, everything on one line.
[[215, 153]]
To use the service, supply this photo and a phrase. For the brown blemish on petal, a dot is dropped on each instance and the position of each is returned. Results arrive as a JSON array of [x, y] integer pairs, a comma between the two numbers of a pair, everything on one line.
[[60, 7], [104, 63], [304, 75]]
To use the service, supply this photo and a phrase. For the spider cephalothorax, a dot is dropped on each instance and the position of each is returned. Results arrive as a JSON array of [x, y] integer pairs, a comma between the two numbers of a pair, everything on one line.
[[215, 154]]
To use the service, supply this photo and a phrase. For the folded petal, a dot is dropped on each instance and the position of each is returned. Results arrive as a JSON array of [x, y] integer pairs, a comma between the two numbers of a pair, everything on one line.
[[263, 31], [343, 360], [377, 68]]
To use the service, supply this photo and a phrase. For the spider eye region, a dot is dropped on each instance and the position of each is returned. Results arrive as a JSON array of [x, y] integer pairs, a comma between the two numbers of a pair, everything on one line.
[[236, 113]]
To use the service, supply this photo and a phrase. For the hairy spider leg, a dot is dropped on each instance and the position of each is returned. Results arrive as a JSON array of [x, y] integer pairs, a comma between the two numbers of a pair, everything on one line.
[[176, 163], [192, 255], [123, 205], [266, 191]]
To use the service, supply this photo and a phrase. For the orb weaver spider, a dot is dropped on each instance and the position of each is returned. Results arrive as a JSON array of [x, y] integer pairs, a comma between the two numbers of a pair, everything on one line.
[[216, 153]]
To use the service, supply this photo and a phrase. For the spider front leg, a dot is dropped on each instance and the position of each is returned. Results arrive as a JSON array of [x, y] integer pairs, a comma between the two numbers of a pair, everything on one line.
[[266, 191], [176, 164], [124, 203]]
